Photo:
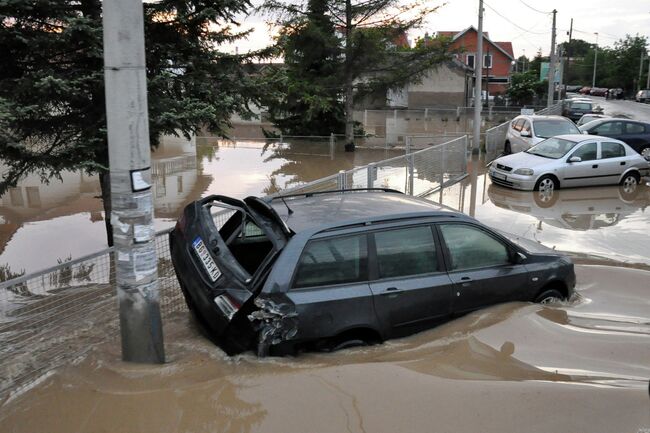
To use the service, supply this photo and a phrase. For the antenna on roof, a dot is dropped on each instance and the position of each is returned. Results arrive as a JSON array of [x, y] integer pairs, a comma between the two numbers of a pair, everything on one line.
[[285, 203]]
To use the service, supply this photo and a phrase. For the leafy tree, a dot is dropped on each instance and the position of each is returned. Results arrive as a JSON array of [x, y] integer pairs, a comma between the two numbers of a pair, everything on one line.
[[522, 87], [368, 35], [303, 96], [52, 108]]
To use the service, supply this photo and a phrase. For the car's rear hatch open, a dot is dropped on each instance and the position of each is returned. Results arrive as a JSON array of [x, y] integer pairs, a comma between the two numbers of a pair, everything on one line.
[[222, 249]]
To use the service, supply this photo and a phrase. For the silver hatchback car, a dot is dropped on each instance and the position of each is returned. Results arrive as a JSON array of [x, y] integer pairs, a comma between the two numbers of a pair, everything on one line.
[[568, 161], [525, 131]]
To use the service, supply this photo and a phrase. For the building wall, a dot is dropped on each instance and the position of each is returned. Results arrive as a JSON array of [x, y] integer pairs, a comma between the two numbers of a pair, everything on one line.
[[501, 64]]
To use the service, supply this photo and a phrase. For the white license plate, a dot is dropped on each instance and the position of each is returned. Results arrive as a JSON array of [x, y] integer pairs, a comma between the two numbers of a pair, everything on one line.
[[207, 260], [499, 175]]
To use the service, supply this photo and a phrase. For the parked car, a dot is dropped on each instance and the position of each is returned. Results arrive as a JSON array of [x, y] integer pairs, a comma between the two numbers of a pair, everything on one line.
[[526, 131], [574, 109], [616, 93], [335, 269], [573, 88], [642, 96], [636, 134], [568, 161], [598, 91], [586, 118], [585, 90]]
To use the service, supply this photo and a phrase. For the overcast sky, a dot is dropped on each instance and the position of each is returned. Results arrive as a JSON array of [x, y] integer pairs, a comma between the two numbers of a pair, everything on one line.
[[525, 23]]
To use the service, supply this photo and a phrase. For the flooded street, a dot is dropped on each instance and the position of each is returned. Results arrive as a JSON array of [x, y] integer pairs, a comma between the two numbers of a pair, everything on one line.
[[578, 367]]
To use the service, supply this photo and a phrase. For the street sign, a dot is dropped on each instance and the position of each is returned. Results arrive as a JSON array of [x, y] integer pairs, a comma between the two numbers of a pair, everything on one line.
[[527, 111]]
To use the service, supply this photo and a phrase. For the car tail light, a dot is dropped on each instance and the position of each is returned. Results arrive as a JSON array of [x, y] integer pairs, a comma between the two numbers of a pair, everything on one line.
[[227, 305]]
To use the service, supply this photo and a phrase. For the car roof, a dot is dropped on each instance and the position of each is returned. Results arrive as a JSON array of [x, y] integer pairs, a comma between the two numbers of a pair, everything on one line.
[[335, 209], [541, 117], [579, 138]]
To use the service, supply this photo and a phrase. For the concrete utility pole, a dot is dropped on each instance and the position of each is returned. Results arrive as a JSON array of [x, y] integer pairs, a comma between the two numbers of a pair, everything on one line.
[[478, 74], [561, 82], [568, 52], [647, 81], [640, 71], [593, 80], [129, 158], [551, 66]]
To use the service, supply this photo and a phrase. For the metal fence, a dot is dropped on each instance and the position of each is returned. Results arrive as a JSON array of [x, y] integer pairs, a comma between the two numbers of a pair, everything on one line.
[[495, 137], [53, 317], [416, 172]]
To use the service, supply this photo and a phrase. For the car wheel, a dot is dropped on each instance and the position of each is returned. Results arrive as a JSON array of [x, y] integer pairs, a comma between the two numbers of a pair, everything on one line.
[[346, 344], [506, 148], [545, 198], [630, 182], [549, 297], [547, 183]]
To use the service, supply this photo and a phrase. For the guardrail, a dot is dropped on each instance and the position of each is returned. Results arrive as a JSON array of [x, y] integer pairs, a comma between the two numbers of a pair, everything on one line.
[[52, 317]]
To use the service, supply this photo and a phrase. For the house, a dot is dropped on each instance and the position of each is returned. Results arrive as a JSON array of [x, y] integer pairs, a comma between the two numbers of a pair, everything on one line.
[[497, 57]]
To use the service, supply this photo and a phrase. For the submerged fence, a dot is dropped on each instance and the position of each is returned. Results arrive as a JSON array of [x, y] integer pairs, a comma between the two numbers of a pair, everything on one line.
[[495, 137], [53, 317]]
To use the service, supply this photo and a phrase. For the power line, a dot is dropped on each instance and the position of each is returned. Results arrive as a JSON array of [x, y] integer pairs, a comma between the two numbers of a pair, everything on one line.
[[511, 22], [532, 8]]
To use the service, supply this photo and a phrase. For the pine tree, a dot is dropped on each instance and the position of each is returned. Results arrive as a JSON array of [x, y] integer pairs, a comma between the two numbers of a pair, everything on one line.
[[370, 37], [52, 108]]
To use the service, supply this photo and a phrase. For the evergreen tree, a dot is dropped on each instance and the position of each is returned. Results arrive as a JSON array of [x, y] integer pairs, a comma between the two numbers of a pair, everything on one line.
[[52, 108], [370, 36]]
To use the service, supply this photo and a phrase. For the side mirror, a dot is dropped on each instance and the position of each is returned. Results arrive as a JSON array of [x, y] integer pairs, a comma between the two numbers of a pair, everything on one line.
[[584, 132], [521, 257], [575, 159], [525, 134]]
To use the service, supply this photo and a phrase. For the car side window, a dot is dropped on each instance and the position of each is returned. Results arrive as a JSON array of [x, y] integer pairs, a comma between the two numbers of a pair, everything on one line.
[[471, 247], [608, 128], [518, 124], [587, 152], [634, 128], [407, 251], [611, 150], [526, 126], [333, 261]]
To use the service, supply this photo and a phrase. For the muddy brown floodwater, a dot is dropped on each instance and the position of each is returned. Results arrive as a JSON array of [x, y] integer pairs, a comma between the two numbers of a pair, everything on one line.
[[582, 366]]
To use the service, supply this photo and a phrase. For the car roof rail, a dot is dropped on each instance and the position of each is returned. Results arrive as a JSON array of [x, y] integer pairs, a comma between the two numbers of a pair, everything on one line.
[[333, 191]]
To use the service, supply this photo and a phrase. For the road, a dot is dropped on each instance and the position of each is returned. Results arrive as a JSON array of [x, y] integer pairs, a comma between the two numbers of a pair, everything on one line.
[[631, 109]]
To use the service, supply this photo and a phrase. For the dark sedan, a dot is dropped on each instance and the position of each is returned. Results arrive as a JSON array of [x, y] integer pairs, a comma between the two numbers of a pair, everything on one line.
[[632, 132], [337, 269]]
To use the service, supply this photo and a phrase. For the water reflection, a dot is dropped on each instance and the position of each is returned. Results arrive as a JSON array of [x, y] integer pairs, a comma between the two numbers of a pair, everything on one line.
[[574, 209]]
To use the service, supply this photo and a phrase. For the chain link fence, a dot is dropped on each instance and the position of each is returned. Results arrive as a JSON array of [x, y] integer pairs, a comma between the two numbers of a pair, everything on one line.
[[53, 317]]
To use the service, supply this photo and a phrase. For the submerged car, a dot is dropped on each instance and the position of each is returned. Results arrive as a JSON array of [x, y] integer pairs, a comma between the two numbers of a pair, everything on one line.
[[590, 118], [526, 131], [574, 109], [634, 133], [336, 269], [568, 161]]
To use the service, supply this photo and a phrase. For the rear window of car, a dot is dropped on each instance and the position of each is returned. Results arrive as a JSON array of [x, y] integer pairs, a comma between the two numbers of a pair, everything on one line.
[[608, 128], [581, 105], [551, 128], [332, 261], [611, 150], [408, 251], [634, 128]]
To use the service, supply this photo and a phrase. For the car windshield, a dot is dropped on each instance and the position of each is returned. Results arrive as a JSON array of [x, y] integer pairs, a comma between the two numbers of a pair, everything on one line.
[[581, 105], [554, 148], [551, 128]]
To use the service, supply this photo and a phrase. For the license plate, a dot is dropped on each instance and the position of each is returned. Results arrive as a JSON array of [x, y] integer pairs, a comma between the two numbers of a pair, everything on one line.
[[499, 175], [207, 260]]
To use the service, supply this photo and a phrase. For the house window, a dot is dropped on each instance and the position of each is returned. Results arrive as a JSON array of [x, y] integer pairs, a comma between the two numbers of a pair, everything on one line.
[[487, 61], [470, 60]]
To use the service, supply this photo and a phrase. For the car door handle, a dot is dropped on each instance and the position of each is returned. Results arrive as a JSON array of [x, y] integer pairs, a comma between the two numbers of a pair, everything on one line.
[[594, 166], [391, 291], [466, 281], [622, 162]]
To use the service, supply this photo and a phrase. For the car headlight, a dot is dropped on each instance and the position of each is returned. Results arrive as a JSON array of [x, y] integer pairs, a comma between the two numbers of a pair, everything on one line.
[[524, 171]]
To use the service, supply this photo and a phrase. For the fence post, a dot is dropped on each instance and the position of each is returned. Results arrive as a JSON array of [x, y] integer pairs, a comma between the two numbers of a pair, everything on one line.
[[340, 180], [371, 175], [408, 144], [411, 173], [395, 115], [426, 113], [365, 118], [444, 164], [332, 145], [466, 144], [457, 114], [281, 138]]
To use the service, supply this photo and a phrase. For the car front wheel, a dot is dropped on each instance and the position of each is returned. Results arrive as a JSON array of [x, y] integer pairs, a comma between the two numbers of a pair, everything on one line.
[[549, 297], [547, 184]]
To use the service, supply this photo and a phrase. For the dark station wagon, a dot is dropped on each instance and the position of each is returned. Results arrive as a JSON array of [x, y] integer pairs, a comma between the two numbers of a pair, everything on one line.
[[336, 269]]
